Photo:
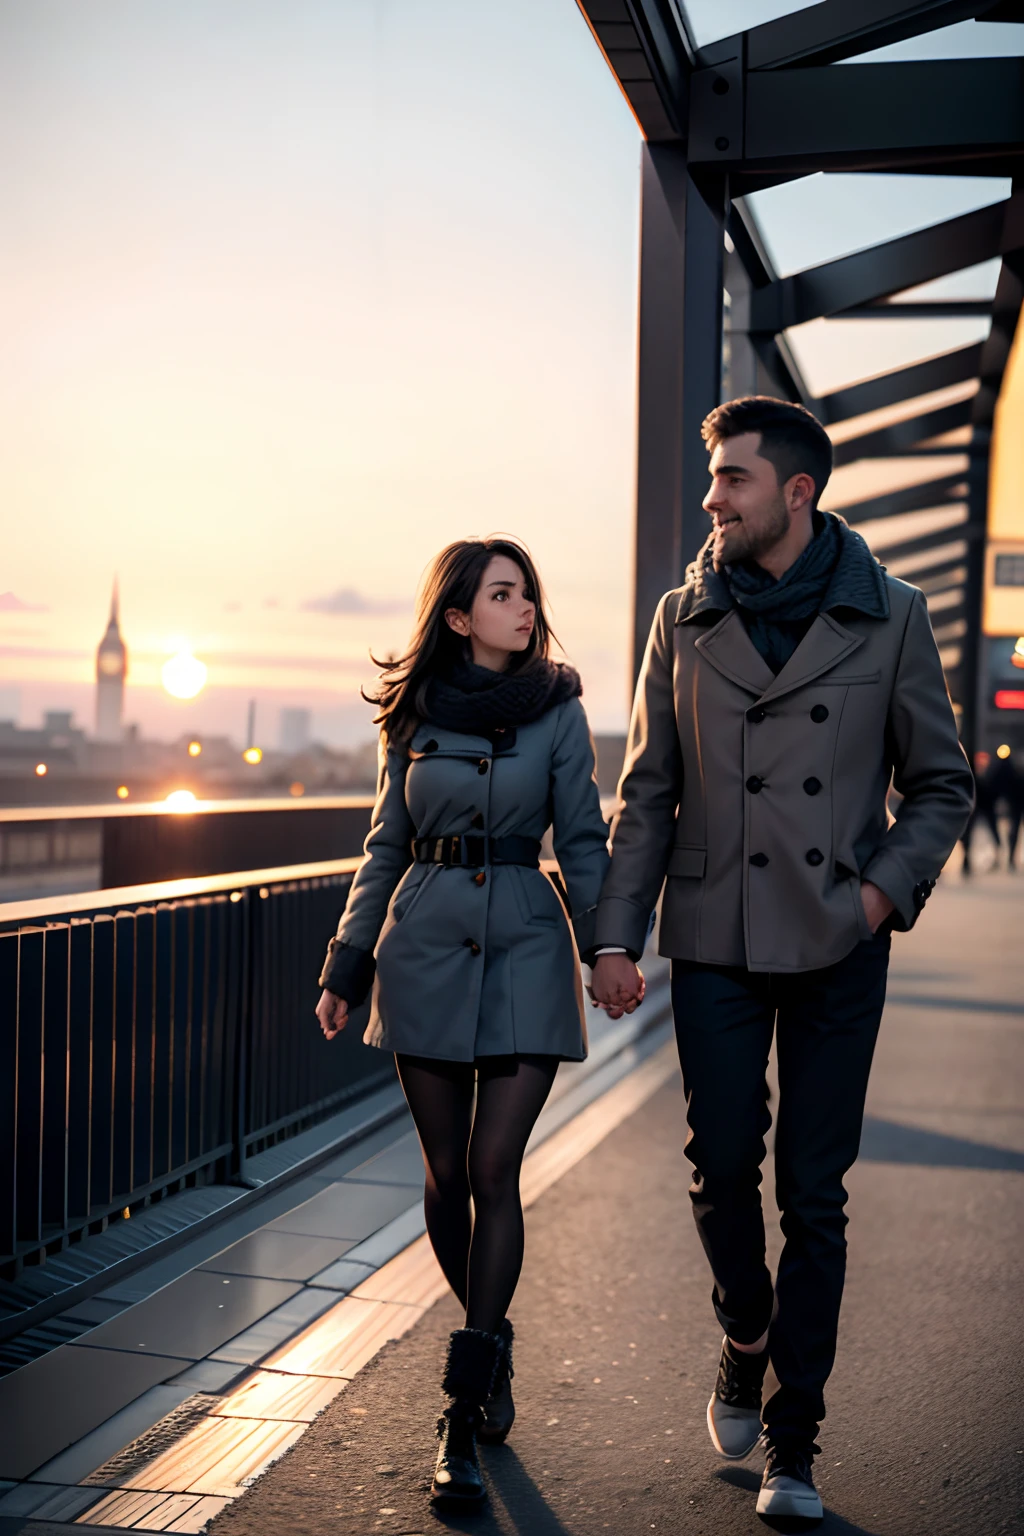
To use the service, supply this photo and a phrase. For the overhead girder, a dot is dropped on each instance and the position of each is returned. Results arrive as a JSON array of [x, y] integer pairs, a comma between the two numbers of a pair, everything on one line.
[[823, 34], [938, 115], [941, 372], [903, 437], [948, 490], [921, 543], [905, 262]]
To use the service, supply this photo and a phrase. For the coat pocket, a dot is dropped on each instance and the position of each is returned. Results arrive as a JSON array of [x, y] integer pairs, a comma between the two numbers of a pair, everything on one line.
[[687, 862], [538, 902], [407, 895]]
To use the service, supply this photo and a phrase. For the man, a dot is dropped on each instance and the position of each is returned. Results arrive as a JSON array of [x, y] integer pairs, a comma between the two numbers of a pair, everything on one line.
[[785, 684]]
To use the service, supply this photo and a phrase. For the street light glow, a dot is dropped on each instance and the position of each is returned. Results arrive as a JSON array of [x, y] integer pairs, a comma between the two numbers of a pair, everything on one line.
[[122, 791], [253, 755], [180, 800], [41, 770], [194, 748]]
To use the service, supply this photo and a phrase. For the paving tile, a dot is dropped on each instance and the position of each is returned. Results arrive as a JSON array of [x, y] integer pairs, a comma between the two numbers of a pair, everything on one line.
[[51, 1403], [278, 1255], [198, 1517], [401, 1163], [383, 1245], [209, 1375], [217, 1456], [125, 1510], [25, 1498], [343, 1276], [76, 1463], [193, 1315], [345, 1210], [272, 1330], [275, 1395], [344, 1339], [413, 1277]]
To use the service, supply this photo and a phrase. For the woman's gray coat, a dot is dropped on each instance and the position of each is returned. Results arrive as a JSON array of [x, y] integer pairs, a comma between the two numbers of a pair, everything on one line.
[[469, 968]]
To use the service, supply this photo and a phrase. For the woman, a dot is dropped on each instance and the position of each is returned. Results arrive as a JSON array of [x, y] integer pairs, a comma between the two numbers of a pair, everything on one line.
[[485, 745]]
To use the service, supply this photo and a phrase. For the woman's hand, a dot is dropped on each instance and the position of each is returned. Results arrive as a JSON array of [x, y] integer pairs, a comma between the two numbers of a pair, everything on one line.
[[618, 985], [332, 1012]]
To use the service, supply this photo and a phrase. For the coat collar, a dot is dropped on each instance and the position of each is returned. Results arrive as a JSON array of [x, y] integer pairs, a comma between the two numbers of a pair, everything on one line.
[[857, 584], [730, 650]]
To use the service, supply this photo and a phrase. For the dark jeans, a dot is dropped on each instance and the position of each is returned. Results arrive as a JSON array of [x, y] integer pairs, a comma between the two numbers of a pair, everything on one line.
[[826, 1022]]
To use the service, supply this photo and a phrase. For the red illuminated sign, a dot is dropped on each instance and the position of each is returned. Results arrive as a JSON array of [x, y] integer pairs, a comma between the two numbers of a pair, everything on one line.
[[1009, 698]]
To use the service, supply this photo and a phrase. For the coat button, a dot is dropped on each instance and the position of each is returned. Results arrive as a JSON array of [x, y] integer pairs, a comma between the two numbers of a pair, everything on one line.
[[815, 857], [478, 821], [472, 946], [430, 746], [756, 714], [812, 786], [479, 878], [759, 860], [754, 784], [483, 765], [819, 714]]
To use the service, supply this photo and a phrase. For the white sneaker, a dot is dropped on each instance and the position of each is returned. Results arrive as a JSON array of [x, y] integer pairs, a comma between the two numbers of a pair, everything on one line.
[[734, 1412], [787, 1489]]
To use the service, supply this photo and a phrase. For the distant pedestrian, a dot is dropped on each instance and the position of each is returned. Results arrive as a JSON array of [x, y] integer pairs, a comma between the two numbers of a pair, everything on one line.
[[1001, 788], [485, 745], [784, 683]]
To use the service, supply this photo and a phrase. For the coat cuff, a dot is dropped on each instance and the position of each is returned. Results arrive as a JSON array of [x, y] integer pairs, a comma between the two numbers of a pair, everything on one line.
[[620, 923], [886, 871], [348, 972], [583, 927]]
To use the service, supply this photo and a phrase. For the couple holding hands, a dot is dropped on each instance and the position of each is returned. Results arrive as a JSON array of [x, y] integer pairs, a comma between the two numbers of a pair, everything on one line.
[[786, 684]]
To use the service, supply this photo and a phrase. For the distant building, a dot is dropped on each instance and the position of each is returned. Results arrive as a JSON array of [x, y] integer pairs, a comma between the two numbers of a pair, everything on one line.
[[296, 730], [111, 671]]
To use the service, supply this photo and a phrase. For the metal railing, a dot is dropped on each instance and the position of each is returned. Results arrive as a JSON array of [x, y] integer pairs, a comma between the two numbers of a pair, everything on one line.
[[157, 1036]]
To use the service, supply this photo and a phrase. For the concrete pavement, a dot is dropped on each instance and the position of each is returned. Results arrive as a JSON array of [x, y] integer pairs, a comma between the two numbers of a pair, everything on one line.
[[617, 1344]]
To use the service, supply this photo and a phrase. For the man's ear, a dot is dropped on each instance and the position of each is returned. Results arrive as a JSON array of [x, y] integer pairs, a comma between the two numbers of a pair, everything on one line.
[[457, 620], [799, 491]]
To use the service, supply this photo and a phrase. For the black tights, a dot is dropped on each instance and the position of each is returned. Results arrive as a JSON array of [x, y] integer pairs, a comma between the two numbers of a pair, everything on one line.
[[476, 1155]]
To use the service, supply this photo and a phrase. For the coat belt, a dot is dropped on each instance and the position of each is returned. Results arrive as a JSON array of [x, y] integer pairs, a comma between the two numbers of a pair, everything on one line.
[[469, 851]]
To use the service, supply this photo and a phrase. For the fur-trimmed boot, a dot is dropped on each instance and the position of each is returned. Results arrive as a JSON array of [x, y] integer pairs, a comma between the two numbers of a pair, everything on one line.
[[499, 1409], [469, 1379]]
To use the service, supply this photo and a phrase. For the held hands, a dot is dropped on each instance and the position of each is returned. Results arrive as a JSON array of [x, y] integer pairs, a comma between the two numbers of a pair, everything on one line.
[[877, 905], [618, 985], [333, 1014]]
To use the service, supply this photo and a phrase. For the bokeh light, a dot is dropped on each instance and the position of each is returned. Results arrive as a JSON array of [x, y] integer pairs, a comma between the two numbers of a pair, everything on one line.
[[184, 675], [122, 791], [194, 748], [253, 755], [180, 800], [41, 770]]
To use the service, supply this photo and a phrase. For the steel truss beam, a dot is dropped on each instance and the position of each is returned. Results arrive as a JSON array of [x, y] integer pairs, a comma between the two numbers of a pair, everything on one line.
[[889, 268], [837, 29], [941, 372], [903, 437], [946, 491], [960, 533]]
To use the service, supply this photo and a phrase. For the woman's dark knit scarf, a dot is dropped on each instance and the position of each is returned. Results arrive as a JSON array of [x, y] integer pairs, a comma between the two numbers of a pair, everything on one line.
[[778, 614], [477, 701]]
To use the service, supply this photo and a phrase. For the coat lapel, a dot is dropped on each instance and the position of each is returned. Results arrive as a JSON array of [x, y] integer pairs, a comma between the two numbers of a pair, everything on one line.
[[729, 649], [825, 644]]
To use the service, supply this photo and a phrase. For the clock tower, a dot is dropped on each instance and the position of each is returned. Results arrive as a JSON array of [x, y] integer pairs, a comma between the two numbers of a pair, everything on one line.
[[111, 671]]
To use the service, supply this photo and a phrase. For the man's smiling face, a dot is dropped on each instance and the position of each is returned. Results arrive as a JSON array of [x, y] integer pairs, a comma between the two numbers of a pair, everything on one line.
[[746, 502]]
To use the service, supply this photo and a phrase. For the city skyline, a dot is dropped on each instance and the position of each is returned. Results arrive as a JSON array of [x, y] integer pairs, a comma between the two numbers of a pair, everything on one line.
[[288, 307]]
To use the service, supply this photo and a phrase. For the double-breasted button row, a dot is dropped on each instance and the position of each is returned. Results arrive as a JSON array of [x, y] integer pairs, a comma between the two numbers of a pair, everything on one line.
[[819, 714], [755, 784], [814, 857], [759, 860], [483, 765], [812, 786], [480, 878], [472, 946], [756, 714]]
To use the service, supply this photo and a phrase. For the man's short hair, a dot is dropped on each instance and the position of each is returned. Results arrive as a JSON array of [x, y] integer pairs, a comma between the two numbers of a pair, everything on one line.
[[792, 439]]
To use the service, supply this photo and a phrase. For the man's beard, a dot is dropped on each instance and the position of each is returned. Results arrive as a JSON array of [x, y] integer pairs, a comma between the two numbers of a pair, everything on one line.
[[742, 542]]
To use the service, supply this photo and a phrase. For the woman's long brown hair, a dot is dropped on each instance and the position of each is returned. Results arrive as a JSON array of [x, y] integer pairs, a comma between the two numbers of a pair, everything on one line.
[[452, 580]]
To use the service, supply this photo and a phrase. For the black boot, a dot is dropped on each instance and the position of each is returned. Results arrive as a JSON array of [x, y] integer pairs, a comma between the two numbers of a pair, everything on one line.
[[499, 1409], [469, 1378]]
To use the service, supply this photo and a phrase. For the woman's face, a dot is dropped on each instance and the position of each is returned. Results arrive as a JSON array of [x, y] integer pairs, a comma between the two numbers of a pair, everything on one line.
[[502, 617]]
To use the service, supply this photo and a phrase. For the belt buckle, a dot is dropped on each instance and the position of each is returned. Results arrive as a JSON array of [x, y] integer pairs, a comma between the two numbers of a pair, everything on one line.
[[457, 851]]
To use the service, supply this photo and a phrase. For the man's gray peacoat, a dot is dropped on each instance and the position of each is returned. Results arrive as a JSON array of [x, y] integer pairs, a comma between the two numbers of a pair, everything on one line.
[[469, 967], [760, 800]]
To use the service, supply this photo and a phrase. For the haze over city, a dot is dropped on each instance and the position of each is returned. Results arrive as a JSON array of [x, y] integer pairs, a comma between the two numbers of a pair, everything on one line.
[[263, 356]]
